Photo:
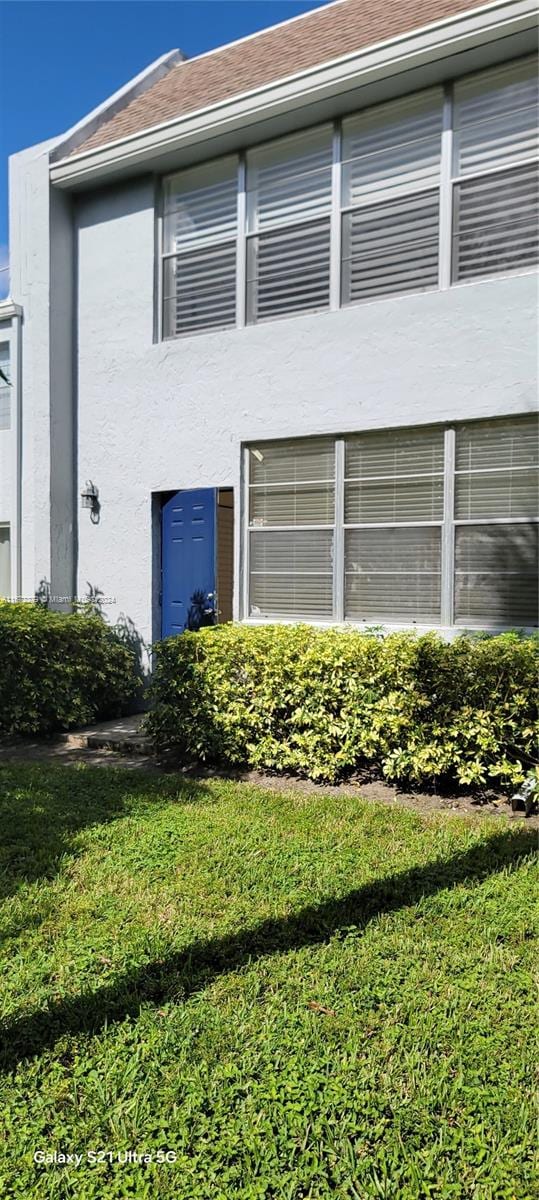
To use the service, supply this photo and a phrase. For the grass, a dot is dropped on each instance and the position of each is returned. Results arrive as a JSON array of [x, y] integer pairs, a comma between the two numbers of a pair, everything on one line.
[[299, 996]]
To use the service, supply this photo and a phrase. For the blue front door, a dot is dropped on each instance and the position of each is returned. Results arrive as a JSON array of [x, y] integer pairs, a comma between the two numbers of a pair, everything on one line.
[[188, 561]]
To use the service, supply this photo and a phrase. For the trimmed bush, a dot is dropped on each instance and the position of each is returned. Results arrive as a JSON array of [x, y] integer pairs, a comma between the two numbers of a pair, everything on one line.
[[58, 670], [323, 703]]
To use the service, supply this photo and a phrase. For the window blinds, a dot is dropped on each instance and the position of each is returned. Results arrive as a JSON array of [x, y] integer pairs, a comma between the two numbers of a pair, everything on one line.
[[291, 573], [495, 201], [496, 574], [496, 469], [355, 526], [495, 117], [496, 480], [288, 205], [292, 485], [392, 574], [199, 232], [392, 247], [350, 212], [390, 176], [394, 477]]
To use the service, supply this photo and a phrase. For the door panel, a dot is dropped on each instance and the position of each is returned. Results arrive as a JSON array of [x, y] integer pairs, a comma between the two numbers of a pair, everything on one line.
[[188, 561]]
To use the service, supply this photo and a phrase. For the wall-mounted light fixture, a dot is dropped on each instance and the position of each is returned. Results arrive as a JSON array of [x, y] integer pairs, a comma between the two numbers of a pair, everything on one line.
[[90, 499]]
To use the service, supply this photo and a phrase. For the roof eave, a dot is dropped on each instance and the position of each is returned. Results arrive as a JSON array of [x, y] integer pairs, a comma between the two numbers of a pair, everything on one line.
[[438, 40], [134, 87]]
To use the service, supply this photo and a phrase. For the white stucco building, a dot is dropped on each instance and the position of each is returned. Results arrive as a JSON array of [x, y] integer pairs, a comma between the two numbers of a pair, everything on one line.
[[277, 305]]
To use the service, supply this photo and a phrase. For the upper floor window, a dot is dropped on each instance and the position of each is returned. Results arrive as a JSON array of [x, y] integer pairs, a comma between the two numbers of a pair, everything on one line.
[[495, 197], [288, 225], [436, 188], [391, 197], [199, 249], [5, 389]]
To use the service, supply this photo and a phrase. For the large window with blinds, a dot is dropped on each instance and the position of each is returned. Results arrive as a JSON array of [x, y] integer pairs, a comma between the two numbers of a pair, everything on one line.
[[430, 526], [434, 189]]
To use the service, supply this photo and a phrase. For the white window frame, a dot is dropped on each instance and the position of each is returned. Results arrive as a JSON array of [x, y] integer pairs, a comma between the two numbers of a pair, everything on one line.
[[448, 525], [252, 231]]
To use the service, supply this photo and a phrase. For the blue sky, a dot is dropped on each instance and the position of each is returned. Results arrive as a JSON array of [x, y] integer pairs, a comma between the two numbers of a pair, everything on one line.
[[60, 58]]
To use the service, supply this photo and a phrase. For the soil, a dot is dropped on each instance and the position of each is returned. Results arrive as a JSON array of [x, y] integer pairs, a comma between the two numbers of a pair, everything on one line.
[[486, 805]]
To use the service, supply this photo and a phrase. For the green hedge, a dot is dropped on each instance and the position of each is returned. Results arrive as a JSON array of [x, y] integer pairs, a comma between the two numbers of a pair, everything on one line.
[[60, 670], [323, 703]]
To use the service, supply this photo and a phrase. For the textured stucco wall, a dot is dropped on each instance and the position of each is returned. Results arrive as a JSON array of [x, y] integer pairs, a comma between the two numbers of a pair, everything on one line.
[[173, 415]]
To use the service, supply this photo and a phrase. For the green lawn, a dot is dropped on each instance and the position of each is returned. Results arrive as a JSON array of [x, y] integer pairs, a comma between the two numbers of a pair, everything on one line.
[[300, 996]]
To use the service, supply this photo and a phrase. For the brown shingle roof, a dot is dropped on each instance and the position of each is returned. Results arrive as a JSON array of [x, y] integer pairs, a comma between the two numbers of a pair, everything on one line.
[[327, 33]]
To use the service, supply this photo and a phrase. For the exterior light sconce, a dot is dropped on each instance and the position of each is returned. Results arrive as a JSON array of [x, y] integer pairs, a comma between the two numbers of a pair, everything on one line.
[[90, 499]]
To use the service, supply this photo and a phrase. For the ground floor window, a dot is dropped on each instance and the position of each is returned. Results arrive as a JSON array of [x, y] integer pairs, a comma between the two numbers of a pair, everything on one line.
[[431, 525], [5, 562]]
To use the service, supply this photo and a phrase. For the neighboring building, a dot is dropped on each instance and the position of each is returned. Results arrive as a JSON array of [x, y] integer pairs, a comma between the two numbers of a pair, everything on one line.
[[10, 431], [280, 314]]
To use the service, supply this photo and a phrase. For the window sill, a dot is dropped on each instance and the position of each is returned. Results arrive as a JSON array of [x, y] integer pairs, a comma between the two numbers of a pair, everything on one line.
[[386, 627]]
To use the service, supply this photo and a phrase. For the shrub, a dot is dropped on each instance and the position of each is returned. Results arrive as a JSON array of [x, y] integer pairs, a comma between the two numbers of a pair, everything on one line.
[[59, 670], [323, 703]]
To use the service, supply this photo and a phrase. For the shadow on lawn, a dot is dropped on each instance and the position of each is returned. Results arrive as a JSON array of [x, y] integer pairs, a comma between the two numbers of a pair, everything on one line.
[[42, 812], [181, 974]]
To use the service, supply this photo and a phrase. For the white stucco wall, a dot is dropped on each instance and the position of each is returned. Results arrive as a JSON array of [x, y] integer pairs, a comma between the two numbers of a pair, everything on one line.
[[153, 417]]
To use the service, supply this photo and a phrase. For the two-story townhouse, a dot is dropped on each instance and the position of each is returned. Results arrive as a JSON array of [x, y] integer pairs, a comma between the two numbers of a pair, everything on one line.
[[279, 329]]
